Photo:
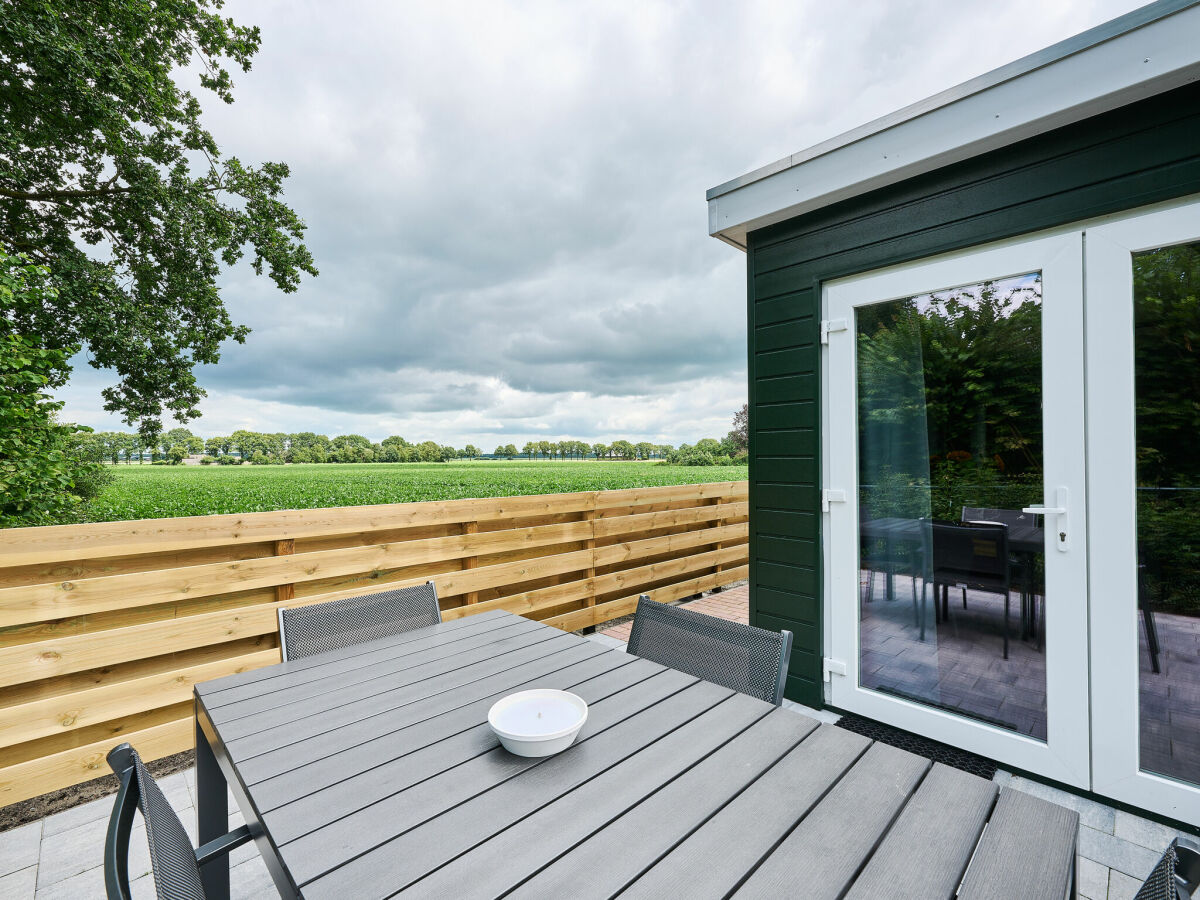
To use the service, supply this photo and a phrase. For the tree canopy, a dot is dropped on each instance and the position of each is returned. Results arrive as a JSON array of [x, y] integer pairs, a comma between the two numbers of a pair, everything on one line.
[[109, 179], [44, 470]]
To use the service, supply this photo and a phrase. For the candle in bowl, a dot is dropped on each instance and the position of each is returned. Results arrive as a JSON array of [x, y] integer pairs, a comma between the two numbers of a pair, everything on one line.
[[539, 722]]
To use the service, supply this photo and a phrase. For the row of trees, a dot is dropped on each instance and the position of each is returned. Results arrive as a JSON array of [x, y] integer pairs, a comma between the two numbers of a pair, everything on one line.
[[307, 447], [583, 450]]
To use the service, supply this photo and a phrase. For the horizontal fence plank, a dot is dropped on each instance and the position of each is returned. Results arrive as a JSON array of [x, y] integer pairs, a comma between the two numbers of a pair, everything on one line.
[[50, 715], [52, 543], [671, 543], [638, 496], [105, 628], [611, 527], [43, 774], [625, 606], [33, 603]]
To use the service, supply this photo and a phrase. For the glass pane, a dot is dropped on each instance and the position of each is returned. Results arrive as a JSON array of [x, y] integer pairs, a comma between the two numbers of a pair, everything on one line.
[[1166, 302], [950, 450]]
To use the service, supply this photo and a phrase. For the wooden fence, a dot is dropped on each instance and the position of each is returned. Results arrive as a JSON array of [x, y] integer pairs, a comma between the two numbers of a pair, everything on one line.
[[104, 628]]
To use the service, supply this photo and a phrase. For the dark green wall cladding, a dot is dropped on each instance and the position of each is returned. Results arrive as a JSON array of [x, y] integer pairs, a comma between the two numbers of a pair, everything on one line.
[[1143, 153]]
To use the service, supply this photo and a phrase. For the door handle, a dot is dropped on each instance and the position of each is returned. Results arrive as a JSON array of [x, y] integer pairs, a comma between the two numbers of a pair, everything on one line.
[[1062, 531]]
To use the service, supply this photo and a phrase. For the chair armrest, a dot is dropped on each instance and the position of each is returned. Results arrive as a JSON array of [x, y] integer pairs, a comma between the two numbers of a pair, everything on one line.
[[222, 845]]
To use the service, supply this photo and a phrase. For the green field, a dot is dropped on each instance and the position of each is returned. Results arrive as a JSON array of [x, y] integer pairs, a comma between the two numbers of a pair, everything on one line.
[[156, 492]]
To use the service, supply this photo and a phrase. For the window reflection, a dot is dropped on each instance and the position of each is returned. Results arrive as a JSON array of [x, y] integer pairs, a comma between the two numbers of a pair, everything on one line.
[[1166, 286], [950, 450]]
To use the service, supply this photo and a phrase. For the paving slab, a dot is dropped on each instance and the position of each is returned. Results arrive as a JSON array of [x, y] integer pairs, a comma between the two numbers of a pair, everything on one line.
[[1122, 887], [87, 885], [20, 884], [19, 848], [1093, 880], [1141, 831], [1131, 859], [1092, 814]]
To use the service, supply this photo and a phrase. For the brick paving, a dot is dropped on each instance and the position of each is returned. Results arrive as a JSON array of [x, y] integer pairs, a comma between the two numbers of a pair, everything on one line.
[[733, 603]]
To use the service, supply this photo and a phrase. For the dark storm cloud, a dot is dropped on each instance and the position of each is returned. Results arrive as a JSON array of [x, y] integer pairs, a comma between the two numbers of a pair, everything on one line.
[[506, 202]]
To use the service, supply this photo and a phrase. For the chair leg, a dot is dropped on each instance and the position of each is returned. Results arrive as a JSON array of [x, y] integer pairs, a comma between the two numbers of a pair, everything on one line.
[[921, 614], [1151, 637], [1006, 603], [964, 590], [1039, 623]]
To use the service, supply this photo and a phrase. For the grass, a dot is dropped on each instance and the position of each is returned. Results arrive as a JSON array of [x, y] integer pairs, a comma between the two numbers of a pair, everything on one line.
[[157, 492]]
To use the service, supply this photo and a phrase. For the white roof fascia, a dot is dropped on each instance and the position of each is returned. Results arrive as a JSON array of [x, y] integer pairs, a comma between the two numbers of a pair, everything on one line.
[[1146, 52]]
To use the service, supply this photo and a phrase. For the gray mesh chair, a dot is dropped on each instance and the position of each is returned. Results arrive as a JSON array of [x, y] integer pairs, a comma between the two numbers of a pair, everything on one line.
[[1177, 874], [175, 864], [971, 555], [322, 627], [1024, 569], [749, 660]]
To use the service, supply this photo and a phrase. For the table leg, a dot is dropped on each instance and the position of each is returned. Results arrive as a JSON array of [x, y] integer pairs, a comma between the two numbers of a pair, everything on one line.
[[212, 816]]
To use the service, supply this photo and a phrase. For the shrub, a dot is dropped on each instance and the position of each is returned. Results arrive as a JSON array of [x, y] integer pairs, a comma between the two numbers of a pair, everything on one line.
[[692, 456], [207, 460]]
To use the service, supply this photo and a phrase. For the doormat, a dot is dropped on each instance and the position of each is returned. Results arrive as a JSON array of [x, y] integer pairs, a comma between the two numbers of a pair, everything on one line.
[[921, 746]]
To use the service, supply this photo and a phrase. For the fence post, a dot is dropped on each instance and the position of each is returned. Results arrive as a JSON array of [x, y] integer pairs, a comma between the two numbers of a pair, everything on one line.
[[720, 545], [589, 515], [470, 562], [285, 592]]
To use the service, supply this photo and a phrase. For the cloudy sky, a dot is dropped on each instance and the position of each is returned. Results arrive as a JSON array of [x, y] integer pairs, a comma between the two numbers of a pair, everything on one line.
[[506, 200]]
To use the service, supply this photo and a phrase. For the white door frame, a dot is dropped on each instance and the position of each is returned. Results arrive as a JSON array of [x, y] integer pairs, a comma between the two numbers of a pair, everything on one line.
[[1059, 257], [1113, 519]]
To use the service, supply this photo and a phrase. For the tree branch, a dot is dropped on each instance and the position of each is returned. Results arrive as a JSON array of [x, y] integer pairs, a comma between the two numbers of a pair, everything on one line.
[[63, 195]]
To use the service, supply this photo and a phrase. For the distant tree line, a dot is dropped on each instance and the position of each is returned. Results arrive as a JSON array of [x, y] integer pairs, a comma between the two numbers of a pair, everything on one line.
[[261, 448]]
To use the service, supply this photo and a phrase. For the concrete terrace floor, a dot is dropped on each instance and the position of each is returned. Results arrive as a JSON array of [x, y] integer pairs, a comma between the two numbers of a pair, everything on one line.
[[59, 857]]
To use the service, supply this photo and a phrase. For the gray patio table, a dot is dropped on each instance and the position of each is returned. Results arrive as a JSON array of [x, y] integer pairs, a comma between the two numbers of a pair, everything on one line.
[[371, 771]]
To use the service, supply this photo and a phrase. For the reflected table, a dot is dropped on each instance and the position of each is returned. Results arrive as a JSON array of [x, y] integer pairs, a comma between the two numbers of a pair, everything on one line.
[[1025, 541]]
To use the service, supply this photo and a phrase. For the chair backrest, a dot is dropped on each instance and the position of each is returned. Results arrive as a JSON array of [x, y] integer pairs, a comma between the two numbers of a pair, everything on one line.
[[970, 553], [322, 627], [1176, 876], [172, 857], [749, 660], [1009, 517]]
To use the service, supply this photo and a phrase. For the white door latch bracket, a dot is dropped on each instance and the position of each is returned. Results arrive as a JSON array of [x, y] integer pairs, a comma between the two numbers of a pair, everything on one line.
[[830, 496], [833, 667]]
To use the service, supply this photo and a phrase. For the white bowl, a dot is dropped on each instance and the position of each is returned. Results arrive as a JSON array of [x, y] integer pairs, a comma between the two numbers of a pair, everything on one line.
[[537, 723]]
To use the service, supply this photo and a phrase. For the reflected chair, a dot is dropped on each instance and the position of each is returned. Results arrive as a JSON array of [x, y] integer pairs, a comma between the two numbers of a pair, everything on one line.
[[741, 657], [1176, 876], [321, 627], [1023, 565], [887, 554], [968, 555], [175, 864], [1147, 570]]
